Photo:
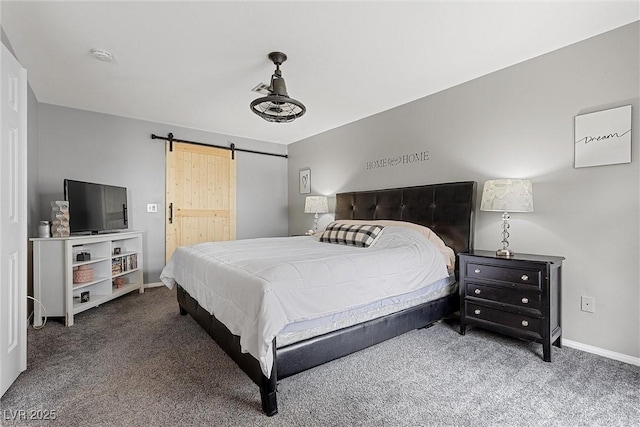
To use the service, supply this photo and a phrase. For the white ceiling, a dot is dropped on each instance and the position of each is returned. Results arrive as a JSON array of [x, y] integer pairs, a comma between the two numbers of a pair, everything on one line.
[[193, 64]]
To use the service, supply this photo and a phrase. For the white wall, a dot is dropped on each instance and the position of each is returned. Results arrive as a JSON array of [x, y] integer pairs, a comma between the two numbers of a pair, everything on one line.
[[113, 150], [518, 122]]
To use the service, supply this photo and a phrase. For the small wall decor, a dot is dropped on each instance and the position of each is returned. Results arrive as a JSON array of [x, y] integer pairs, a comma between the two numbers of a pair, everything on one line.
[[305, 181], [603, 137]]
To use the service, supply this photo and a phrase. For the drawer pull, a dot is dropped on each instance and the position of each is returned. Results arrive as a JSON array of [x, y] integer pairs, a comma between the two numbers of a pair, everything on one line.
[[525, 323], [477, 311], [477, 271], [525, 300], [477, 291], [524, 277]]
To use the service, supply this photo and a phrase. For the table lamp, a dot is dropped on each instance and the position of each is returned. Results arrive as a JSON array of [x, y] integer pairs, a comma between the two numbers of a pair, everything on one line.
[[507, 195], [316, 205]]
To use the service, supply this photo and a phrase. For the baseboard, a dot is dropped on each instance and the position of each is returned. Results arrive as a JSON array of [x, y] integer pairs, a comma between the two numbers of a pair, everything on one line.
[[153, 285], [602, 352]]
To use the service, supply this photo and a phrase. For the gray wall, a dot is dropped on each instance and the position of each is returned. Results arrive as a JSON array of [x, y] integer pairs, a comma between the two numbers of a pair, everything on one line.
[[518, 122], [113, 150]]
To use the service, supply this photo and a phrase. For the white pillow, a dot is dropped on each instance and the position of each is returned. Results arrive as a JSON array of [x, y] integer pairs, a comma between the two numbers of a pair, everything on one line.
[[448, 253]]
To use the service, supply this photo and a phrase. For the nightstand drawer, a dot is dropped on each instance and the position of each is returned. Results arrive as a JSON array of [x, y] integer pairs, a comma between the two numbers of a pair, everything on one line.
[[514, 297], [516, 321], [503, 274]]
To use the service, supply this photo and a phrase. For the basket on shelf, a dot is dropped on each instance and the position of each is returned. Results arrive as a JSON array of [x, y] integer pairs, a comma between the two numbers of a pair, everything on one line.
[[83, 274]]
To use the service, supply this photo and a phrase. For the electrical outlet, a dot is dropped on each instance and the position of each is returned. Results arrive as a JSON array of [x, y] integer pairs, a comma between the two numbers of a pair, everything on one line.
[[152, 207], [588, 304]]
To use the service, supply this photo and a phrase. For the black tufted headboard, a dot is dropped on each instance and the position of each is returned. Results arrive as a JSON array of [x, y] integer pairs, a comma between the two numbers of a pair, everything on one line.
[[447, 209]]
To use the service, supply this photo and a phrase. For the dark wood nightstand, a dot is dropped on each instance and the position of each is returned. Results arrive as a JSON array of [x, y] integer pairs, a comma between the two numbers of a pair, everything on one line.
[[518, 296]]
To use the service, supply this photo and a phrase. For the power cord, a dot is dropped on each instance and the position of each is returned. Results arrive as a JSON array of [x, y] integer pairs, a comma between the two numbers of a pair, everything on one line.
[[33, 313]]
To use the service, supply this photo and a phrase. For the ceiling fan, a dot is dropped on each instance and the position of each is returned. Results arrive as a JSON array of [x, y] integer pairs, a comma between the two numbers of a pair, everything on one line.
[[277, 106]]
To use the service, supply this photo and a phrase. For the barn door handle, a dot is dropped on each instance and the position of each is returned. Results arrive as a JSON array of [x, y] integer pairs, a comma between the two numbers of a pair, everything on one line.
[[170, 213]]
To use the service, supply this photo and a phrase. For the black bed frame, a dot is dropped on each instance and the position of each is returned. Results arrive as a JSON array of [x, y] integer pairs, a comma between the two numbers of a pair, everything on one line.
[[447, 209]]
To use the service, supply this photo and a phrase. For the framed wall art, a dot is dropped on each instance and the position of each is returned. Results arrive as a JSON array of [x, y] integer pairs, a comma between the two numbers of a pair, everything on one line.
[[603, 137], [305, 181]]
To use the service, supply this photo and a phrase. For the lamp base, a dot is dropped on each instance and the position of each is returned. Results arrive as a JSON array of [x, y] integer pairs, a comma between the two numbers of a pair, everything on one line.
[[505, 253]]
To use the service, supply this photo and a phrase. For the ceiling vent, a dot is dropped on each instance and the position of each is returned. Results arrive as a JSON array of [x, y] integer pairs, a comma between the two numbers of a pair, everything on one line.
[[277, 106]]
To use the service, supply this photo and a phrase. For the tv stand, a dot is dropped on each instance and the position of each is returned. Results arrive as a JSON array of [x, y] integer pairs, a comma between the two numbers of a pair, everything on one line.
[[111, 256]]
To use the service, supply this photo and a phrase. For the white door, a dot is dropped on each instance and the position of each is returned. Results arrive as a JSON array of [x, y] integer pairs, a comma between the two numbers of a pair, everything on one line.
[[13, 219]]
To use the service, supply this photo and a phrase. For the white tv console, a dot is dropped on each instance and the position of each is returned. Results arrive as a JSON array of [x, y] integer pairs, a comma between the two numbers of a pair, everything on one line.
[[112, 256]]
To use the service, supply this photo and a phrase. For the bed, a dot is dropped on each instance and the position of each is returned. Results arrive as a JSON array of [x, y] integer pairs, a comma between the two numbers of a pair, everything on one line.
[[446, 209]]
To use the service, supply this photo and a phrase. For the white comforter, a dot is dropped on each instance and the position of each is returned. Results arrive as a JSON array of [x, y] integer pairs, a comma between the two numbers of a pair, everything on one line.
[[256, 287]]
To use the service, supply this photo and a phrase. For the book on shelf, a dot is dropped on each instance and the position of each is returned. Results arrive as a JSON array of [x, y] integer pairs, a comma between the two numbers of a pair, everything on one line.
[[116, 266], [124, 263]]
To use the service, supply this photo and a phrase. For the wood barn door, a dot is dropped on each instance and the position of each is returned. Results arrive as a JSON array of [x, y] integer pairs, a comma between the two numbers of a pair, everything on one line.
[[201, 195]]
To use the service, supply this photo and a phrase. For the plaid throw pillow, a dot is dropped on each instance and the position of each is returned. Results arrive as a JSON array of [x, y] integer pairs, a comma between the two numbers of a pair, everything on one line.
[[361, 235]]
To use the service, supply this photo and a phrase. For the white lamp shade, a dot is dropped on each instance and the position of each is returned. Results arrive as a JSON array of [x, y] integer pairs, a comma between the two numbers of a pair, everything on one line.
[[316, 204], [507, 195]]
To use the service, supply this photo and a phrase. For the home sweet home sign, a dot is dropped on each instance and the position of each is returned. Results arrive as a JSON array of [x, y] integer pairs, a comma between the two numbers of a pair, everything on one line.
[[399, 160]]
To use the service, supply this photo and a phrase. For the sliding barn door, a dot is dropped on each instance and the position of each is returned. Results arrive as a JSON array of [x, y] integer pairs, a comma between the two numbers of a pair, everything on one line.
[[201, 195]]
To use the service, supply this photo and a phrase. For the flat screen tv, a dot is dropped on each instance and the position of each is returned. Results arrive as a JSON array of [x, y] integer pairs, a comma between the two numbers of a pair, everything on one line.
[[95, 208]]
